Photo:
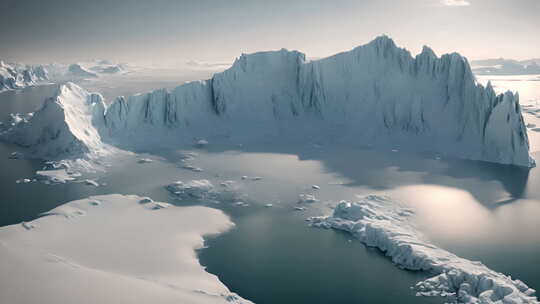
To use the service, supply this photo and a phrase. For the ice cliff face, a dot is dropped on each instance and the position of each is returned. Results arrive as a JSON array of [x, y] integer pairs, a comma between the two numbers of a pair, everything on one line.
[[15, 77], [381, 91], [66, 125], [376, 93]]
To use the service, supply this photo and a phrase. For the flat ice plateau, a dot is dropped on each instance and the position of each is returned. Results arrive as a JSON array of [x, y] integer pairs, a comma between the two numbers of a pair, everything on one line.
[[383, 223], [112, 249], [376, 94]]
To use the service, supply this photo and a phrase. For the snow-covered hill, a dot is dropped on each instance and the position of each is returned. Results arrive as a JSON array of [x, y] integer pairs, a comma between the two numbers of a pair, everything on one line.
[[17, 76], [374, 94]]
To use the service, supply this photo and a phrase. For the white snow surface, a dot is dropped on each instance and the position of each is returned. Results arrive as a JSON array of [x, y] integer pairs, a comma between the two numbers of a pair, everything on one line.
[[383, 223], [120, 250], [376, 94]]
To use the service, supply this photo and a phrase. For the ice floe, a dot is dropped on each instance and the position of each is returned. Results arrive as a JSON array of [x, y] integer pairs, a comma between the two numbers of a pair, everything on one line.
[[204, 190], [307, 198], [56, 176], [119, 250], [381, 222]]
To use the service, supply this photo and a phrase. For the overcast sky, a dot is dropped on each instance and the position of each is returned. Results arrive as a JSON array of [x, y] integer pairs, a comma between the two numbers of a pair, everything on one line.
[[170, 32]]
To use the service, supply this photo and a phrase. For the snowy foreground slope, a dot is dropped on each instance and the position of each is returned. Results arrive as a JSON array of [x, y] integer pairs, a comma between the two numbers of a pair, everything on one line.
[[122, 249], [376, 94], [15, 77], [380, 222]]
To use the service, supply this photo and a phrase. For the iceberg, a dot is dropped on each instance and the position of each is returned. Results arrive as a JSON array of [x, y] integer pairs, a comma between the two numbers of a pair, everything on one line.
[[76, 70], [121, 248], [377, 94], [14, 76], [380, 222], [66, 126]]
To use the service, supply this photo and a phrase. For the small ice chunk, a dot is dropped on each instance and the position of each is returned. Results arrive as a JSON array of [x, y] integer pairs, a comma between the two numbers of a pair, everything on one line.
[[315, 187], [144, 160], [192, 168], [307, 198], [269, 205], [299, 208], [90, 182], [204, 190], [201, 143], [15, 155], [244, 177], [26, 180], [256, 178]]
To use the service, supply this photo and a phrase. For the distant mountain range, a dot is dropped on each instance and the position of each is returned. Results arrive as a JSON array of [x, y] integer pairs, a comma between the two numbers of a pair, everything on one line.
[[501, 66]]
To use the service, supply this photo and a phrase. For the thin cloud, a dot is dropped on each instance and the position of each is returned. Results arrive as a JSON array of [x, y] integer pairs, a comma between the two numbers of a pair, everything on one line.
[[455, 2]]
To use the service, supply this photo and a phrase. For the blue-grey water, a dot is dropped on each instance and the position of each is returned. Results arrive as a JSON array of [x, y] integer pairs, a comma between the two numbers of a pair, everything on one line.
[[480, 211]]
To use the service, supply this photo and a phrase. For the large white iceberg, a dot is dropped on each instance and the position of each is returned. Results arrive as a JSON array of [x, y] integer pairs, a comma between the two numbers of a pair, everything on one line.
[[381, 222], [65, 126], [376, 94], [112, 249]]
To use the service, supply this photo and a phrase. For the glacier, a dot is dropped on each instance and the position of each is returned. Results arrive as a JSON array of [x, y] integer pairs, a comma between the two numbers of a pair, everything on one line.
[[381, 222], [376, 94], [14, 76]]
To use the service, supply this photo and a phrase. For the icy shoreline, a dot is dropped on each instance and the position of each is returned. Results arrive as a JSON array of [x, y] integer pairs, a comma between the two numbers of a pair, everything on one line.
[[120, 248], [383, 223]]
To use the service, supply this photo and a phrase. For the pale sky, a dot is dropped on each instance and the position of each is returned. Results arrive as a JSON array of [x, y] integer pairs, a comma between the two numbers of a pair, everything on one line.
[[173, 31]]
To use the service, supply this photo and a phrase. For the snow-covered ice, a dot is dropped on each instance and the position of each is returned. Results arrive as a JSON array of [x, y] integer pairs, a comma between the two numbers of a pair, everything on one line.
[[204, 190], [378, 94], [307, 198], [55, 176], [16, 155], [144, 160], [381, 222], [91, 182], [119, 250], [201, 143]]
